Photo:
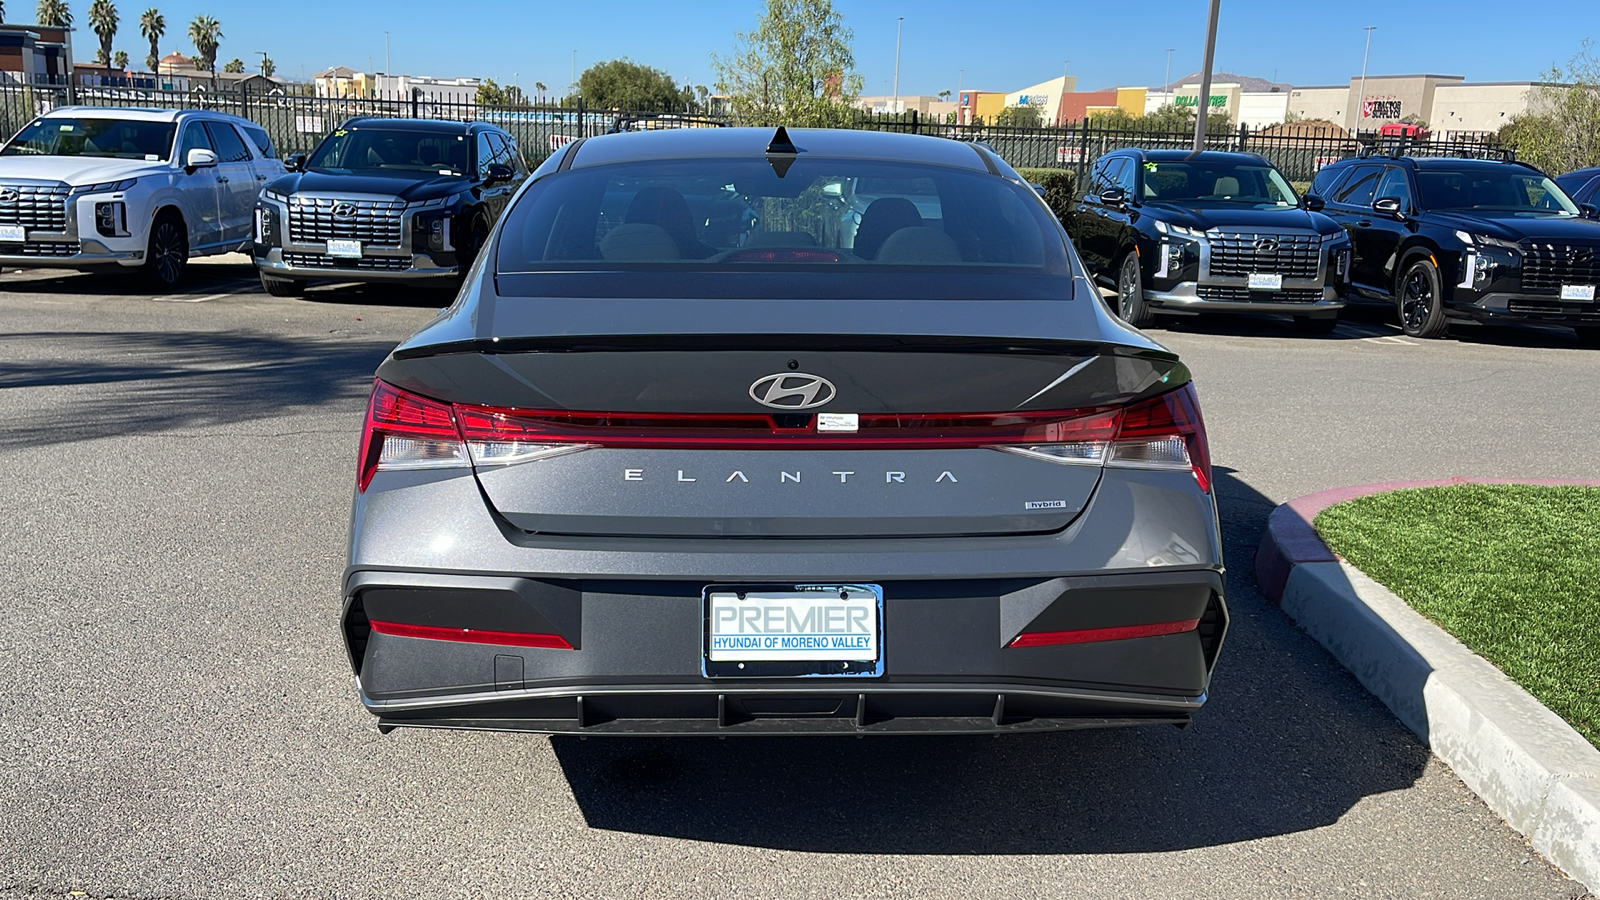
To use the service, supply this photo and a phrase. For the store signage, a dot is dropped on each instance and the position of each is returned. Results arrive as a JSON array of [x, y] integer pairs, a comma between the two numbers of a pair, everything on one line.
[[1374, 108], [1217, 100]]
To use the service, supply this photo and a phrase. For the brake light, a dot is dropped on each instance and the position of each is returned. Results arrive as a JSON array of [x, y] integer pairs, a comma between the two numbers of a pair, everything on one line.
[[406, 431], [1095, 635], [472, 635], [1164, 432]]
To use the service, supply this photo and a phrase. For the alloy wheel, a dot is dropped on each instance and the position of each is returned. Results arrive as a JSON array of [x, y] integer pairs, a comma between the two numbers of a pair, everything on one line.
[[166, 248], [1127, 285]]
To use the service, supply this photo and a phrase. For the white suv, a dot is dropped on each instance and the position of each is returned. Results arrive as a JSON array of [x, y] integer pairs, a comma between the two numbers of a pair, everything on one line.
[[140, 188]]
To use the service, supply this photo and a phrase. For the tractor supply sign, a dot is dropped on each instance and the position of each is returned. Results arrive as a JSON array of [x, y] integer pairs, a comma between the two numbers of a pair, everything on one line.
[[1375, 108]]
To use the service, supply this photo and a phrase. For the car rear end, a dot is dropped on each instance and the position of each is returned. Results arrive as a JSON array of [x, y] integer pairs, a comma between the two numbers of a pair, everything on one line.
[[782, 489]]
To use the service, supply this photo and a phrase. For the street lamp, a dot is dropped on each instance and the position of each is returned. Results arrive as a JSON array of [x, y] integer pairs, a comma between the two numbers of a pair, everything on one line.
[[1166, 86], [898, 24], [1203, 105], [1361, 92]]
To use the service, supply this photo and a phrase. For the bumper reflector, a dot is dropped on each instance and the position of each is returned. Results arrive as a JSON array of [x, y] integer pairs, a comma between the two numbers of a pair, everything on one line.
[[472, 635], [1092, 635]]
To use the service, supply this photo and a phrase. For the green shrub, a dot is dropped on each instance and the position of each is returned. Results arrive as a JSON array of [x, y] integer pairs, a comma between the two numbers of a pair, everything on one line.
[[1058, 187]]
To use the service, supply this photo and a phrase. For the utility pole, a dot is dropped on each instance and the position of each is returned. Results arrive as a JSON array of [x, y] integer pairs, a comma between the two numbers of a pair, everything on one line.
[[1204, 101], [263, 61], [898, 23], [1361, 92], [574, 70], [961, 77], [1166, 86], [386, 69]]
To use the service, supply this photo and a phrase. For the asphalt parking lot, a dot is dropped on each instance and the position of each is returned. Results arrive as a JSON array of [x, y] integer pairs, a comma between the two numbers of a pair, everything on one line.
[[179, 720]]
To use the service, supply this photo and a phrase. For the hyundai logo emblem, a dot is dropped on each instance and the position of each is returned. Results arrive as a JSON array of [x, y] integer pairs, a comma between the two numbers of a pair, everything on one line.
[[344, 210], [8, 195], [1266, 245], [792, 390]]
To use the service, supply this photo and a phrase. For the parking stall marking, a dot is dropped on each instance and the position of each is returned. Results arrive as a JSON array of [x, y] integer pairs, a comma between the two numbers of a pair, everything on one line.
[[1391, 340]]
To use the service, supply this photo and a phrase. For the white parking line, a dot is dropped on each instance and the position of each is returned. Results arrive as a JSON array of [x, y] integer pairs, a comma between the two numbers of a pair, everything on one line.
[[1392, 340], [205, 298]]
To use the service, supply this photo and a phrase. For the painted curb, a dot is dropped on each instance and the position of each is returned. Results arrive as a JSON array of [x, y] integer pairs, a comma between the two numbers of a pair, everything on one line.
[[1527, 764]]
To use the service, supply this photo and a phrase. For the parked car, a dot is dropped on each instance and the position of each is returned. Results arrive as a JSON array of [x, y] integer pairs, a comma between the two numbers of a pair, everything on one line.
[[1212, 231], [625, 486], [1444, 238], [145, 189], [399, 200], [1582, 185]]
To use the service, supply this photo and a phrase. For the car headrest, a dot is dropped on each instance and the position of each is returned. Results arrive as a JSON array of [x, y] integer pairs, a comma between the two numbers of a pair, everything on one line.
[[883, 217], [637, 242], [922, 244], [1227, 186]]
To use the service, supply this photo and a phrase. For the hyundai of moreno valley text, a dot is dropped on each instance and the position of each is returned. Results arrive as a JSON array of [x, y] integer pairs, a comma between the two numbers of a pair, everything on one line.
[[801, 475]]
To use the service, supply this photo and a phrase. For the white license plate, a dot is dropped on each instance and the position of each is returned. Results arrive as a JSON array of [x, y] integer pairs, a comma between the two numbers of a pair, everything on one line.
[[1266, 282], [345, 249], [13, 234], [810, 623], [1584, 292]]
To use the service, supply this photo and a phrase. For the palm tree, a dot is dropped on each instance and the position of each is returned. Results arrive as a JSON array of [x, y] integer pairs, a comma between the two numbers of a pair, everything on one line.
[[54, 13], [154, 27], [540, 88], [234, 66], [268, 67], [120, 60], [103, 21], [206, 33], [2, 12]]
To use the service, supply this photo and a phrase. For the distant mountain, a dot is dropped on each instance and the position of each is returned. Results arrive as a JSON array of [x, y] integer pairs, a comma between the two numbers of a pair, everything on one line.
[[1247, 83]]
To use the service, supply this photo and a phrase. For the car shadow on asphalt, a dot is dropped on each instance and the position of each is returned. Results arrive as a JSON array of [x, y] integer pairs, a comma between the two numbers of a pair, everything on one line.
[[162, 381], [1289, 741]]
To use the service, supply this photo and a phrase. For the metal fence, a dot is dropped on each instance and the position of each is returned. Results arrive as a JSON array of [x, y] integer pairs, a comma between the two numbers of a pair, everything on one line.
[[297, 122]]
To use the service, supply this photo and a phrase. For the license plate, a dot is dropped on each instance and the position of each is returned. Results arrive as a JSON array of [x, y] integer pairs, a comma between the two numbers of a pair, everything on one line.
[[793, 630], [1266, 282], [13, 234], [345, 249], [1583, 292]]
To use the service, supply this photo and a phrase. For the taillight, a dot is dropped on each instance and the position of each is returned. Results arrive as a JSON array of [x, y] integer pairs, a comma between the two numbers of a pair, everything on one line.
[[1164, 432], [405, 431]]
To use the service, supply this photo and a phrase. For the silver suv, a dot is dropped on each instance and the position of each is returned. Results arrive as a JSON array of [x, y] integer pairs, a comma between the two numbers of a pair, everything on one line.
[[137, 188]]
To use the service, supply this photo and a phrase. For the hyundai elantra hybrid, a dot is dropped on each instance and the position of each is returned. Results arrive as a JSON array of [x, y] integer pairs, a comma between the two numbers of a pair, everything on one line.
[[705, 446]]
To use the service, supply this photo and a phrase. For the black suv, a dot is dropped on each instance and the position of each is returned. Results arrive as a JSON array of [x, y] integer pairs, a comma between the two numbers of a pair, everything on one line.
[[1208, 231], [1483, 239], [386, 199]]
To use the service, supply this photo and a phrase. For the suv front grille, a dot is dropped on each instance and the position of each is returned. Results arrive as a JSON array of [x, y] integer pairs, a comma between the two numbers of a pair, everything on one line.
[[1222, 294], [37, 207], [316, 219], [1546, 267], [321, 261], [1237, 254]]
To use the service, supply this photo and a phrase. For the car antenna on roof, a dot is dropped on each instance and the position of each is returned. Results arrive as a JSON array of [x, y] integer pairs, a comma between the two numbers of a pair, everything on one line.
[[781, 152]]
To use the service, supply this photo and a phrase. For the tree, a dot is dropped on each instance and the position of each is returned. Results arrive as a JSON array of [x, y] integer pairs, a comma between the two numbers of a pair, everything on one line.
[[944, 95], [153, 26], [1561, 129], [2, 13], [206, 34], [490, 93], [1020, 117], [268, 67], [234, 66], [103, 22], [796, 68], [54, 13], [622, 83], [539, 89], [119, 60]]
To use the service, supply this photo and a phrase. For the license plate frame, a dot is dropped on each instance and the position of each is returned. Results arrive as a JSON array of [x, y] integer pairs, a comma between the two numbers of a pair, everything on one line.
[[1265, 281], [1580, 293], [13, 234], [342, 249], [797, 662]]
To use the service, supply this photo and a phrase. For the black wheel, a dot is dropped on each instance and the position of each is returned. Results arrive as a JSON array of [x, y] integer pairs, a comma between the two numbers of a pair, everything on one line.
[[1588, 335], [282, 287], [1316, 324], [167, 255], [1421, 302], [1130, 293]]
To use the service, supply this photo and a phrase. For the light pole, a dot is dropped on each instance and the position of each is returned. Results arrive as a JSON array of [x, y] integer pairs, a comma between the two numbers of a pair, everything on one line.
[[1203, 104], [263, 61], [574, 70], [1166, 86], [386, 69], [1361, 92], [898, 24]]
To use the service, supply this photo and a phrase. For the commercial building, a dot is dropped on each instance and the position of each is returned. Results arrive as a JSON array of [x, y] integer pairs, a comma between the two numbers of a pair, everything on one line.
[[35, 54], [1446, 103], [923, 105]]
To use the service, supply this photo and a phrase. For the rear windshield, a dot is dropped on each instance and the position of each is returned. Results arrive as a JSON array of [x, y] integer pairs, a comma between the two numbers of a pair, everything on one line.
[[744, 216], [1503, 189], [391, 150], [108, 138]]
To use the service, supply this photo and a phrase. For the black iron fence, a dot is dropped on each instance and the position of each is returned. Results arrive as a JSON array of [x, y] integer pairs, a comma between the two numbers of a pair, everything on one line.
[[297, 122]]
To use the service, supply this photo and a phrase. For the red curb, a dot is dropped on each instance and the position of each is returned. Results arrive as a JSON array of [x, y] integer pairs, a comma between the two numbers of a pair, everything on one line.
[[1290, 540]]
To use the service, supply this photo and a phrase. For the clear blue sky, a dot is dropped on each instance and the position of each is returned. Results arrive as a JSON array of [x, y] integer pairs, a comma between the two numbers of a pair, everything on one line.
[[1001, 46]]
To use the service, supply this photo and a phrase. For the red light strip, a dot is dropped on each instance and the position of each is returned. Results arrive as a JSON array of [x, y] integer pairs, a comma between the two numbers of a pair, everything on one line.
[[472, 635], [1092, 635]]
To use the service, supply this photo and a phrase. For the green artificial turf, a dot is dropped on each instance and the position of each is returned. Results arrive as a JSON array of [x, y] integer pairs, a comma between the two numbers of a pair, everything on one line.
[[1513, 571]]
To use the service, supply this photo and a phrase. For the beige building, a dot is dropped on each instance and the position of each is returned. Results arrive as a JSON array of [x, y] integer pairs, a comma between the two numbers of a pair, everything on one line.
[[1479, 107], [1326, 103], [922, 104]]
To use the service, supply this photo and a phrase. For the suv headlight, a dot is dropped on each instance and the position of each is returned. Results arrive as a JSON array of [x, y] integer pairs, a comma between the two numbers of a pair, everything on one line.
[[105, 187], [275, 196], [435, 203], [1180, 231], [1484, 240]]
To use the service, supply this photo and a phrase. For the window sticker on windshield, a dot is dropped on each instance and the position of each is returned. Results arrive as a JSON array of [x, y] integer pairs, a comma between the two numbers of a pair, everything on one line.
[[446, 172], [69, 128], [1150, 167], [340, 133], [151, 157]]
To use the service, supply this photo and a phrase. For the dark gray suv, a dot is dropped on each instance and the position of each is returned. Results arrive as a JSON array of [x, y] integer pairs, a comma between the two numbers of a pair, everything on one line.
[[643, 478]]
